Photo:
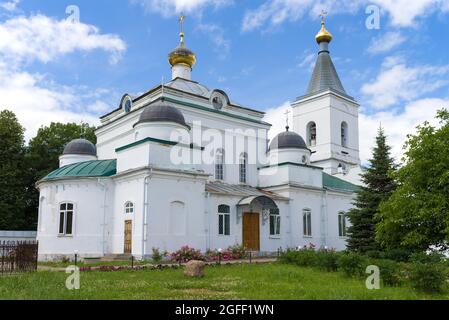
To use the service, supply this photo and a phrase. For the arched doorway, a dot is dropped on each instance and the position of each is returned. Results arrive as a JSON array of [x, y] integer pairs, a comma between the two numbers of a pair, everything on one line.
[[252, 208]]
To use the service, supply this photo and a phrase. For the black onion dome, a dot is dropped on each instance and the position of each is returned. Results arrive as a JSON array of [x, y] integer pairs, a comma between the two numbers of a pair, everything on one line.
[[80, 147], [182, 50], [288, 140], [162, 112]]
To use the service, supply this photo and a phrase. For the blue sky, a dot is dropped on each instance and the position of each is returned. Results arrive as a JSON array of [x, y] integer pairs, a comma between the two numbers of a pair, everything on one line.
[[260, 52]]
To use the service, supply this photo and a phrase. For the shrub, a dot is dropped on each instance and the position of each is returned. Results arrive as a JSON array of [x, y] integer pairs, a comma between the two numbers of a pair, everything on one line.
[[390, 272], [327, 260], [157, 256], [306, 258], [374, 254], [287, 257], [427, 277], [302, 258], [399, 255], [238, 252], [186, 254], [433, 258], [352, 264]]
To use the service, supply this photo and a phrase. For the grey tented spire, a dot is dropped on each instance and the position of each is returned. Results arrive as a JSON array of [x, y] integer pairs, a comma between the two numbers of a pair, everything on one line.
[[325, 76]]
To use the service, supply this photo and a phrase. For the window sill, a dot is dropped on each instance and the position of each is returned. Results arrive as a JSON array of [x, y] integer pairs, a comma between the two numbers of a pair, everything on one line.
[[275, 237], [65, 236], [308, 237]]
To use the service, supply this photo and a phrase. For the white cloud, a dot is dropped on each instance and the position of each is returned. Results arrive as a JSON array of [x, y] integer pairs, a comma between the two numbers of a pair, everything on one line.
[[398, 82], [276, 117], [402, 13], [169, 8], [386, 42], [37, 99], [307, 60], [10, 5], [397, 125], [217, 36], [41, 38]]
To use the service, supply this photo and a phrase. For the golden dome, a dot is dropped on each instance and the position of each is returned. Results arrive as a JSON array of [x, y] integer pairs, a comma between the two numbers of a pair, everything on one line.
[[323, 35], [181, 54]]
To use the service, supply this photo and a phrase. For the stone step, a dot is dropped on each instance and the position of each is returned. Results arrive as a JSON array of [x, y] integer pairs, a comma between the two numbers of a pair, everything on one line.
[[117, 257]]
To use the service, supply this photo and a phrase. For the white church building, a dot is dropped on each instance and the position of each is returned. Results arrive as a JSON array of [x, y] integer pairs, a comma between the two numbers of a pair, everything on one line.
[[184, 165]]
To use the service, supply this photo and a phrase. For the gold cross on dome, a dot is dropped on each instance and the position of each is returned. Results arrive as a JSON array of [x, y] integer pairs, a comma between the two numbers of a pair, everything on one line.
[[181, 22], [323, 14]]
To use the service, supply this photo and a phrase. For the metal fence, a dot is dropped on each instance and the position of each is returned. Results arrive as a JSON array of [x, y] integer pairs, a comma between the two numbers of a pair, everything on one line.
[[18, 256]]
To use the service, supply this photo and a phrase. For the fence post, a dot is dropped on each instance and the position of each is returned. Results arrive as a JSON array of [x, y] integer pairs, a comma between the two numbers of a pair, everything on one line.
[[3, 254]]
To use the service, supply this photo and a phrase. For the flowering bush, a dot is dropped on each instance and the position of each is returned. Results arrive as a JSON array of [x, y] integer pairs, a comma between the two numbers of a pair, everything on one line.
[[186, 254], [236, 252]]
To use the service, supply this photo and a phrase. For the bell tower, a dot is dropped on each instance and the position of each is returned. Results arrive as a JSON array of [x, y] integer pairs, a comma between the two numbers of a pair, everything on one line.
[[326, 116]]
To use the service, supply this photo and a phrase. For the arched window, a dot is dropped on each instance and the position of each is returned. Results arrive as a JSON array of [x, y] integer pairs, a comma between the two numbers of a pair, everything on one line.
[[311, 134], [129, 207], [275, 222], [66, 212], [219, 164], [342, 224], [307, 222], [224, 220], [344, 134], [243, 167]]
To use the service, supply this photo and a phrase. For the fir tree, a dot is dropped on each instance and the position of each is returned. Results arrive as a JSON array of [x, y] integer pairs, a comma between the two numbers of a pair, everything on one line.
[[378, 187]]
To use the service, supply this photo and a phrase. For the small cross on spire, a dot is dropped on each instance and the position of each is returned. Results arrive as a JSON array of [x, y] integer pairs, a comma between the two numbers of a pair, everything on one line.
[[323, 14], [287, 113], [181, 22]]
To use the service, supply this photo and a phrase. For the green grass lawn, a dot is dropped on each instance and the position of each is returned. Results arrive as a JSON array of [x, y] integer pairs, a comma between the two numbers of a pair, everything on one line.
[[94, 264], [263, 281]]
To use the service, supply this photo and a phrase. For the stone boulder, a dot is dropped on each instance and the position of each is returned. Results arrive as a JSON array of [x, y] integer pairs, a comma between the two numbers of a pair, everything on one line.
[[195, 269]]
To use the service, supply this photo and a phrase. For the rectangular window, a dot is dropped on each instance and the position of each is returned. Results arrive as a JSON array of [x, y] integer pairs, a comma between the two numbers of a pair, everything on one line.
[[69, 223], [224, 220], [61, 222], [66, 219], [275, 223], [219, 165], [342, 229], [243, 164], [307, 223]]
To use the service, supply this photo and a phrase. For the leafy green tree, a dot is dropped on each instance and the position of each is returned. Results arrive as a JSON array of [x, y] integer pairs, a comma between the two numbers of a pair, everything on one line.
[[417, 214], [379, 185], [46, 147], [12, 169], [43, 156]]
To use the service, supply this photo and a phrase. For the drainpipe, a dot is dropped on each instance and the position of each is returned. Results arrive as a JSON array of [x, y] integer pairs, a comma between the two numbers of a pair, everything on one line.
[[146, 182], [207, 212], [324, 219], [101, 183]]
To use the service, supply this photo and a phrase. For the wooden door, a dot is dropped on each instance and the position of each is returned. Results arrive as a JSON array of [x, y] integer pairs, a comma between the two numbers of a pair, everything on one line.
[[128, 236], [251, 231]]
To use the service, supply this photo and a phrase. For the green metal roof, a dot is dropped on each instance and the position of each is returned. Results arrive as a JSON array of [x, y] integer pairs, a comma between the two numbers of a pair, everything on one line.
[[334, 183], [98, 168]]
